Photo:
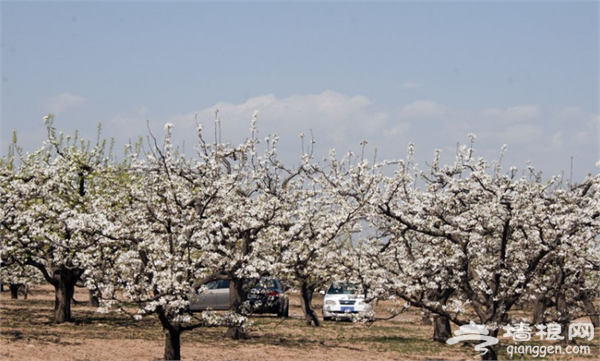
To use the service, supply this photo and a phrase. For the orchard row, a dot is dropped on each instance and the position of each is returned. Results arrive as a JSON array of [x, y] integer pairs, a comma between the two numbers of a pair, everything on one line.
[[466, 241]]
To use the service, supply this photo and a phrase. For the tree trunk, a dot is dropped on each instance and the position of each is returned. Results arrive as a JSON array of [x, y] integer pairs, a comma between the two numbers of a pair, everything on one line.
[[441, 324], [236, 333], [306, 294], [237, 295], [588, 302], [64, 288], [94, 301], [563, 314], [426, 317], [62, 302], [172, 331], [172, 343], [14, 290], [492, 353], [441, 328], [539, 307]]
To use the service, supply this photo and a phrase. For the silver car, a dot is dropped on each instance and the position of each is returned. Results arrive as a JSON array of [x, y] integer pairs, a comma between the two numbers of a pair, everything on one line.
[[216, 297], [266, 295]]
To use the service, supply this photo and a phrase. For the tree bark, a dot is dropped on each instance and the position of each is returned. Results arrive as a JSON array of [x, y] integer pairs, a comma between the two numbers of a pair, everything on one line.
[[539, 307], [561, 306], [492, 354], [62, 303], [426, 317], [306, 294], [237, 295], [94, 300], [172, 331], [441, 324], [441, 328], [14, 290], [588, 302], [172, 343], [64, 287], [236, 333]]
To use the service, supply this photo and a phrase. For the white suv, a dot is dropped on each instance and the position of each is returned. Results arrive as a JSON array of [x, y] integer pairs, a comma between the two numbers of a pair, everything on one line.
[[342, 300]]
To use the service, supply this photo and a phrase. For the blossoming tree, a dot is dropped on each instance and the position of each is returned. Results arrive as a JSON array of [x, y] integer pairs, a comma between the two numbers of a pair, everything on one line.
[[318, 227], [471, 234], [43, 192], [157, 229]]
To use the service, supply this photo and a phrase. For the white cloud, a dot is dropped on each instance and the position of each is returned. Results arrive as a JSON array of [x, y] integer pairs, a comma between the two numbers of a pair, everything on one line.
[[593, 123], [64, 101], [398, 130], [557, 140], [520, 113], [342, 121], [522, 133], [423, 109], [410, 85], [336, 119], [570, 112], [590, 134]]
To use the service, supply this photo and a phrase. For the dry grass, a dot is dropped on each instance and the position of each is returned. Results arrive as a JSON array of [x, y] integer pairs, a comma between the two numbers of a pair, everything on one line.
[[27, 333]]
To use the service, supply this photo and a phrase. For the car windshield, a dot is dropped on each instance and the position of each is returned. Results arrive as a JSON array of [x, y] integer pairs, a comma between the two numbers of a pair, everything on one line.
[[343, 288]]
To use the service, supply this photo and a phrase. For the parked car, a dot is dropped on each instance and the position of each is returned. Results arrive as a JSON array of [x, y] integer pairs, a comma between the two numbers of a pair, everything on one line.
[[342, 300], [216, 297], [268, 296], [265, 295]]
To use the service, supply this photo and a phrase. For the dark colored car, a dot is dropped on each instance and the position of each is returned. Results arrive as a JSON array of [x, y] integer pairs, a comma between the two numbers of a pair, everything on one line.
[[265, 295], [268, 296]]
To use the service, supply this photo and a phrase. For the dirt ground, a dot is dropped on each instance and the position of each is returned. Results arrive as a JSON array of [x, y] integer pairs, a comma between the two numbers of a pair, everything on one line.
[[27, 333]]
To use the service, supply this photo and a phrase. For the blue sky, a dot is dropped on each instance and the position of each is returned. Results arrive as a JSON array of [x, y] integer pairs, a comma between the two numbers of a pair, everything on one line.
[[523, 74]]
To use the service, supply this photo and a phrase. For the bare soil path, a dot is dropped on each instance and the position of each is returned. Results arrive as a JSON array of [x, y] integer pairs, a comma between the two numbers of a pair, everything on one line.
[[28, 333]]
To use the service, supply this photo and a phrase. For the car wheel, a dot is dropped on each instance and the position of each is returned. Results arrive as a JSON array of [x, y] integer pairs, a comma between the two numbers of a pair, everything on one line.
[[326, 318], [284, 309]]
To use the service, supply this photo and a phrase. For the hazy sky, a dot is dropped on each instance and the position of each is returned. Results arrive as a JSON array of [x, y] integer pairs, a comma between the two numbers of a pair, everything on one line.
[[523, 74]]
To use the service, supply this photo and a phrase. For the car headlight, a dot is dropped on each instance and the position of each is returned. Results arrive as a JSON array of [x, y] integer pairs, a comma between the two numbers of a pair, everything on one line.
[[330, 303]]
